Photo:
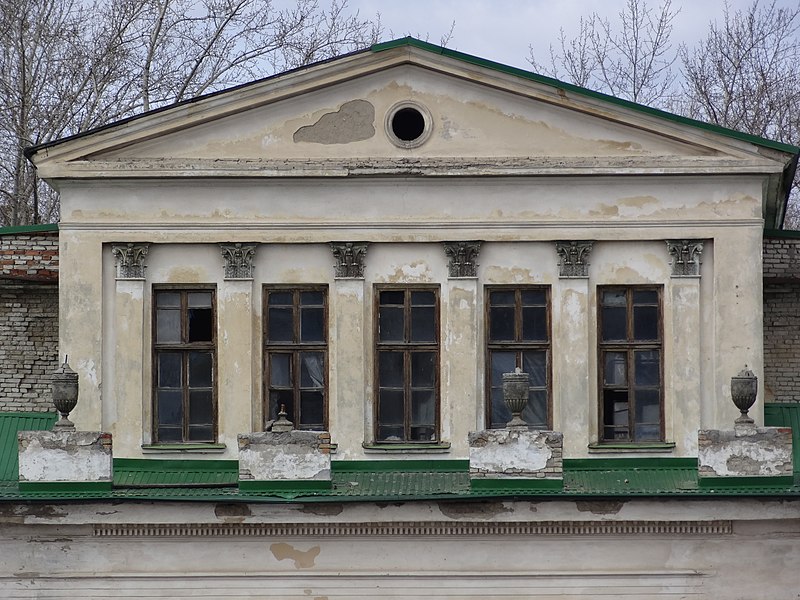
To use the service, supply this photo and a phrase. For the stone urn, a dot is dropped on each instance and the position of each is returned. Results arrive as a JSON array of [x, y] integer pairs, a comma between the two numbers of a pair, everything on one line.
[[744, 388], [515, 394], [64, 384]]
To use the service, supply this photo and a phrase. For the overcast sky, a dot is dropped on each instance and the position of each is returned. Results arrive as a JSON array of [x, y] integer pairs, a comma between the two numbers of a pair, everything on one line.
[[502, 30]]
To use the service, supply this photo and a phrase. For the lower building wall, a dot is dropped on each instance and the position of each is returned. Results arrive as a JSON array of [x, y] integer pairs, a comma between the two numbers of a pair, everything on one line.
[[635, 549]]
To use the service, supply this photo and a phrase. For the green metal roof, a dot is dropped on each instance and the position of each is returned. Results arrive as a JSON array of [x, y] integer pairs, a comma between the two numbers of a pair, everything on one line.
[[29, 229], [10, 424]]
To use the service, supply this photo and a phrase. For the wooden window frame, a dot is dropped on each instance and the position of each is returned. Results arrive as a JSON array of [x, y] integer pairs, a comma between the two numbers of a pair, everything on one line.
[[407, 347], [518, 345], [629, 346], [184, 347], [295, 348]]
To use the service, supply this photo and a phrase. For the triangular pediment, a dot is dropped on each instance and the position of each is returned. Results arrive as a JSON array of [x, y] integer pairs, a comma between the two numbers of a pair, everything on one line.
[[342, 115]]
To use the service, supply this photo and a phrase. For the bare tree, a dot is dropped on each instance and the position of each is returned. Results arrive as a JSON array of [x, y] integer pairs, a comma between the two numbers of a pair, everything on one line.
[[744, 75], [631, 58], [70, 65]]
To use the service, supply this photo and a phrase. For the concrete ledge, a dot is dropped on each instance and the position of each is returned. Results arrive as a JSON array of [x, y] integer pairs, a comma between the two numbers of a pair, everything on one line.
[[285, 456], [516, 454], [65, 456], [745, 451]]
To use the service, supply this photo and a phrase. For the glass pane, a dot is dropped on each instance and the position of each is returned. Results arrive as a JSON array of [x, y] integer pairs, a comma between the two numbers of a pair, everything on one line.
[[392, 297], [311, 298], [534, 363], [202, 433], [280, 370], [614, 323], [199, 299], [423, 369], [279, 327], [534, 298], [645, 322], [645, 297], [614, 298], [496, 298], [616, 369], [500, 413], [168, 326], [648, 416], [535, 412], [647, 367], [170, 370], [167, 435], [423, 433], [390, 324], [168, 299], [280, 299], [423, 408], [615, 413], [391, 407], [390, 369], [312, 325], [390, 433], [502, 362], [501, 323], [423, 299], [534, 323], [423, 324], [278, 398], [200, 325], [201, 407], [170, 407], [312, 408], [312, 370], [201, 369]]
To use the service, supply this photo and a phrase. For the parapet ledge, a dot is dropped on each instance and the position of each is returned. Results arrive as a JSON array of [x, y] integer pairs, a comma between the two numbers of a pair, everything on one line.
[[745, 451], [284, 459], [53, 459], [516, 454]]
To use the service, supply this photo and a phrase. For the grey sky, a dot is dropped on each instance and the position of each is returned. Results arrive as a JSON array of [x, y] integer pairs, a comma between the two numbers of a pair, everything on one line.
[[502, 30]]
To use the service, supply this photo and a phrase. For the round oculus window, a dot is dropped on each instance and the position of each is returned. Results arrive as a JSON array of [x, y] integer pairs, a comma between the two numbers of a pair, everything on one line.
[[408, 125]]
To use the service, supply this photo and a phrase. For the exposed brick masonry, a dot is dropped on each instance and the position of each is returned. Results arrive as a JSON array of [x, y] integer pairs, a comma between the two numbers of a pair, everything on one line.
[[782, 319], [28, 319]]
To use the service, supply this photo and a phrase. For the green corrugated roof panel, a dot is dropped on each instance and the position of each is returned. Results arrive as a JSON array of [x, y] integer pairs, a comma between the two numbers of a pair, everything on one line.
[[132, 472], [786, 414], [10, 424], [400, 484]]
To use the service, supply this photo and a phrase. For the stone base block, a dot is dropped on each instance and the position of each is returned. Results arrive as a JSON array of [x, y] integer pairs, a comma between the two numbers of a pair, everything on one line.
[[65, 456], [516, 453], [285, 456], [745, 451]]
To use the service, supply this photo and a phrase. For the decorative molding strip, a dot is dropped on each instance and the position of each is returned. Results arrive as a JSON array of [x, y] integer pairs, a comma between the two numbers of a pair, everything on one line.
[[130, 259], [416, 528], [462, 257], [350, 259], [685, 257], [572, 257], [238, 260]]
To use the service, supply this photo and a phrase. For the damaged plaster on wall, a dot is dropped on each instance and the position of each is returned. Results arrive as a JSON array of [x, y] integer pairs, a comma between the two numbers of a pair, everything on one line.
[[353, 122]]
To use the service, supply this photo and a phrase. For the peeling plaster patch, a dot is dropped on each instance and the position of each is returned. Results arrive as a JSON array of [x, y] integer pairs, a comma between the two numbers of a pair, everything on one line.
[[269, 140], [232, 512], [621, 146], [323, 510], [184, 275], [302, 559], [599, 507], [417, 271], [353, 122], [635, 206], [88, 367], [509, 275], [473, 510]]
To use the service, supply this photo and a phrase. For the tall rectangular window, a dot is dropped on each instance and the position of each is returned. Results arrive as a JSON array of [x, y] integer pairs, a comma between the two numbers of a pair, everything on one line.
[[630, 364], [407, 364], [518, 335], [295, 354], [184, 366]]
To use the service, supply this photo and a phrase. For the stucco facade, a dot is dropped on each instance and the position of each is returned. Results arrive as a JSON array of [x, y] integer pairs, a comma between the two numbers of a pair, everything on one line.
[[385, 234]]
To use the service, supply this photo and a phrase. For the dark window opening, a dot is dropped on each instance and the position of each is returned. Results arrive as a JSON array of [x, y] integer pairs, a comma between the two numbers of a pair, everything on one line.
[[408, 124]]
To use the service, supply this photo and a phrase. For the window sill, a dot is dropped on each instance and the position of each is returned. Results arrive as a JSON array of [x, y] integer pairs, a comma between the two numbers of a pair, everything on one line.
[[650, 448], [184, 448], [440, 448]]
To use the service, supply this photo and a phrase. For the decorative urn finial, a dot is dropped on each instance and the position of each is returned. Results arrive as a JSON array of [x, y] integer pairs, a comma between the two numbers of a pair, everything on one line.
[[282, 424], [744, 388], [64, 384], [515, 394]]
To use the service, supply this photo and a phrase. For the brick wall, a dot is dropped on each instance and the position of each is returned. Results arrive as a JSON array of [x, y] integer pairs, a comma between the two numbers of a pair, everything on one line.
[[28, 318], [782, 317]]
